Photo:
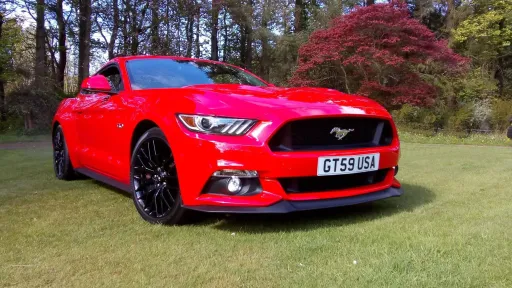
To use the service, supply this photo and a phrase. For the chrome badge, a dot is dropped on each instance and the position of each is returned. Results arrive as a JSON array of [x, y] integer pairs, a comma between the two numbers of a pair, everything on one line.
[[340, 133]]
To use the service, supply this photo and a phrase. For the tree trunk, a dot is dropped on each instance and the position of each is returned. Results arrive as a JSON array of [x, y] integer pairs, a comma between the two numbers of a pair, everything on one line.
[[137, 29], [115, 29], [264, 63], [248, 32], [189, 34], [134, 42], [126, 16], [84, 40], [198, 32], [500, 74], [299, 23], [27, 118], [3, 112], [167, 22], [40, 65], [449, 19], [53, 60], [155, 38], [215, 30], [369, 2], [225, 43], [61, 65], [243, 43]]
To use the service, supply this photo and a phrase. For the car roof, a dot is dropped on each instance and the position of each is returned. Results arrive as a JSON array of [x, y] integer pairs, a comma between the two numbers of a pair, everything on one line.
[[135, 57]]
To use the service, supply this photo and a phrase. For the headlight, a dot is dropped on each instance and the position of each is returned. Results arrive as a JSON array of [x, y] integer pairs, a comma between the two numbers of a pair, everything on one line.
[[216, 125]]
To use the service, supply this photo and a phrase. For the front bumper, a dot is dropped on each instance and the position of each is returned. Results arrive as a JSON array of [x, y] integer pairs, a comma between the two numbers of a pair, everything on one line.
[[198, 156], [286, 206]]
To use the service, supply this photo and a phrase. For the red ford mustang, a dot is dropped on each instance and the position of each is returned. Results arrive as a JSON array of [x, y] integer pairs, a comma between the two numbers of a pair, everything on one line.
[[185, 134]]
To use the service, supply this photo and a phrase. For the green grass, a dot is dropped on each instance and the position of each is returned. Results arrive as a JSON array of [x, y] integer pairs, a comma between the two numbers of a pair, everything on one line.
[[494, 139], [12, 137], [451, 228]]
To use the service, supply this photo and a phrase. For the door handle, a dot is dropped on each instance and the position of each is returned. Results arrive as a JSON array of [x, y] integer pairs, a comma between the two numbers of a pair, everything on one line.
[[106, 98]]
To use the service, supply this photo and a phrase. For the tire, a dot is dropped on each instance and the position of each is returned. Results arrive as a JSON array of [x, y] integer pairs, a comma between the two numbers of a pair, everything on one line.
[[154, 181], [61, 163]]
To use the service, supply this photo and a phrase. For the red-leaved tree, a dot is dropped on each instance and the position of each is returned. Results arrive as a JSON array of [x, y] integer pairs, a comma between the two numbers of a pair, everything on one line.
[[378, 51]]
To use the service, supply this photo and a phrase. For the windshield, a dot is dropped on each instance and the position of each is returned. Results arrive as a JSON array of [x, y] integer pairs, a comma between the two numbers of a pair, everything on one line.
[[169, 73]]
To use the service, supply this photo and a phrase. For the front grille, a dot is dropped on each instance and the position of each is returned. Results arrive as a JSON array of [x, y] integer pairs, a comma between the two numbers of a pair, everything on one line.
[[317, 134], [330, 183]]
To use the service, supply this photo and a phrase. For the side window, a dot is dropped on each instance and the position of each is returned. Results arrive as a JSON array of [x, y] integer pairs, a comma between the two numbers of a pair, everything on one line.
[[114, 77]]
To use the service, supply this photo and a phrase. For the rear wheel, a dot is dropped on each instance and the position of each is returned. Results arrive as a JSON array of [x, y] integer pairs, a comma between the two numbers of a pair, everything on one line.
[[154, 180], [61, 162]]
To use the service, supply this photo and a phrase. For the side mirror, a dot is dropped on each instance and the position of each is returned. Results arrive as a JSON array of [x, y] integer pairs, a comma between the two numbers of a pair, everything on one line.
[[97, 83]]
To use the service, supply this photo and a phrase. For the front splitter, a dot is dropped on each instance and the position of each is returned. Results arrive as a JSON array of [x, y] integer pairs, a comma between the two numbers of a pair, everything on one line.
[[286, 206]]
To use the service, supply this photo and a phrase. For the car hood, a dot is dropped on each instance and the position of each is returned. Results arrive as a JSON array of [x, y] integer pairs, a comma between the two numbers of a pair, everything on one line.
[[250, 101]]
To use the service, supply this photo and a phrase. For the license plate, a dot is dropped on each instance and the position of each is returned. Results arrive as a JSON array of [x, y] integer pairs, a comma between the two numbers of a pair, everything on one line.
[[339, 165]]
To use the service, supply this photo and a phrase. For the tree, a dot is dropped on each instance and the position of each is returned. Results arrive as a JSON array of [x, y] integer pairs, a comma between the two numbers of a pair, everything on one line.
[[40, 57], [300, 16], [107, 18], [487, 36], [215, 30], [3, 112], [265, 47], [155, 22], [377, 51], [84, 39]]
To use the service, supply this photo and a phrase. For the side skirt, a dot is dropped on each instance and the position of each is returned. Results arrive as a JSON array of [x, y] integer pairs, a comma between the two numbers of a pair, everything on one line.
[[102, 178]]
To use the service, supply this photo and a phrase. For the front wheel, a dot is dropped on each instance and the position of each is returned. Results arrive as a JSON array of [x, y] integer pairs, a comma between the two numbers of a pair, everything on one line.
[[154, 180]]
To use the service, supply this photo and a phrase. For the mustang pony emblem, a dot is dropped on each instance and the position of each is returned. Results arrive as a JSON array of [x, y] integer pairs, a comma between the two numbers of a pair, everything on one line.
[[340, 133]]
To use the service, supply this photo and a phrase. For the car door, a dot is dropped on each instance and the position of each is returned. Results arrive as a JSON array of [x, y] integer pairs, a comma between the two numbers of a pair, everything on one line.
[[103, 121], [86, 130]]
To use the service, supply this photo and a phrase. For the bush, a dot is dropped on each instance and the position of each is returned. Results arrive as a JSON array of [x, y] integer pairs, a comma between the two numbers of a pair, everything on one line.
[[482, 113], [35, 106], [462, 119], [420, 118], [12, 124], [501, 114]]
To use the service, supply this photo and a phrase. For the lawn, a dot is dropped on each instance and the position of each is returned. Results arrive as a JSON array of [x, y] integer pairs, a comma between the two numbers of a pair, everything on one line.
[[451, 228], [15, 138], [425, 137]]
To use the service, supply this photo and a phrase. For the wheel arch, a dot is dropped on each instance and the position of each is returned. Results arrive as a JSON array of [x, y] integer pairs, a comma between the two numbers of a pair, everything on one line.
[[54, 126], [70, 136], [139, 130]]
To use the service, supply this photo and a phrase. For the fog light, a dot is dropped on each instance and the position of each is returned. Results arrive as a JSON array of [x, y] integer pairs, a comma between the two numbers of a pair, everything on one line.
[[234, 185], [233, 182]]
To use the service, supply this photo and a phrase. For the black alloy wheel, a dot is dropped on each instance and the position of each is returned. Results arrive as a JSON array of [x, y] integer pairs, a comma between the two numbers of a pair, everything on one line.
[[155, 186], [61, 162]]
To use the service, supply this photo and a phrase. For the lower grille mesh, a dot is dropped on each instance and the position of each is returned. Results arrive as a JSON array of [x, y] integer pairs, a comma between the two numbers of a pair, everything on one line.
[[330, 183]]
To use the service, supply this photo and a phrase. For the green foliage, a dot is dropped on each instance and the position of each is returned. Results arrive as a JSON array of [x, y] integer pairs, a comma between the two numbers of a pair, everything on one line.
[[12, 37], [38, 104], [485, 115], [285, 53], [462, 119], [409, 135], [420, 118], [489, 30], [475, 85], [11, 125], [501, 114]]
